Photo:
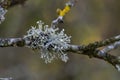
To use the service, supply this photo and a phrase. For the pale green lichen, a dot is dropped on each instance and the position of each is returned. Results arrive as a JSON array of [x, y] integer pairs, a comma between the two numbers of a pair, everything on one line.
[[49, 41]]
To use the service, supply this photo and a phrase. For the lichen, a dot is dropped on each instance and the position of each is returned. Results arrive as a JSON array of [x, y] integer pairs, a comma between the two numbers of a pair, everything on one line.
[[49, 41]]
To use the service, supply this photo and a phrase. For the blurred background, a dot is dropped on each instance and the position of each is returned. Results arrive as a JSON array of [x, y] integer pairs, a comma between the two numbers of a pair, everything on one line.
[[88, 21]]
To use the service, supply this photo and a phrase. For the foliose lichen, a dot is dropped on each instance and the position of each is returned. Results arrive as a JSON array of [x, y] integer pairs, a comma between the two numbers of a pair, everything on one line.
[[49, 41]]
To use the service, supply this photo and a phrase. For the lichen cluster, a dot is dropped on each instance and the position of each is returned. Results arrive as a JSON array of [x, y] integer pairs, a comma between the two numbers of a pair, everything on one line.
[[49, 41]]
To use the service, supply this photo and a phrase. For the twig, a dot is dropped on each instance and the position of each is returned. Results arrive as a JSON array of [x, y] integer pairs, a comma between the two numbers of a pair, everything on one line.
[[96, 53], [10, 3], [85, 50], [106, 42], [12, 42], [5, 4], [62, 13]]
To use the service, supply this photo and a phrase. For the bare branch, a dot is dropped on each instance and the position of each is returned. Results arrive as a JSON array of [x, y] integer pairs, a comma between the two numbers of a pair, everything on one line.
[[91, 51], [12, 42], [96, 53], [111, 47], [62, 13], [106, 42], [5, 4], [10, 3]]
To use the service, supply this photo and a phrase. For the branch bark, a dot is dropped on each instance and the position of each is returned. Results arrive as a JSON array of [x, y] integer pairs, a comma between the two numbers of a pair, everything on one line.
[[12, 42], [90, 50], [10, 3], [95, 53]]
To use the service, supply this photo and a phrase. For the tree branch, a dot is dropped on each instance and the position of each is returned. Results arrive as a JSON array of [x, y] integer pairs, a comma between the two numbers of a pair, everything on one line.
[[10, 3], [91, 49], [12, 42], [5, 4], [96, 53]]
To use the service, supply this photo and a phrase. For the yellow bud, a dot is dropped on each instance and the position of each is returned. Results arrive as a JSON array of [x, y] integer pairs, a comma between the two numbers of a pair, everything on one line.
[[64, 11], [67, 8]]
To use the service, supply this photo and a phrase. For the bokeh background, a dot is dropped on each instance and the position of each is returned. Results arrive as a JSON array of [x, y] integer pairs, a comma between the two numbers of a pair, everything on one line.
[[88, 21]]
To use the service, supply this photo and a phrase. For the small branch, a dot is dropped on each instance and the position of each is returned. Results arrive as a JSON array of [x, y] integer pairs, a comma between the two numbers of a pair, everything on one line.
[[114, 60], [111, 47], [95, 45], [12, 42], [62, 13], [10, 3], [91, 51], [5, 4], [106, 42]]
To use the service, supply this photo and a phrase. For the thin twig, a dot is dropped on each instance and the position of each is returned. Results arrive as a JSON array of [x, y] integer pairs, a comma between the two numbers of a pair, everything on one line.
[[85, 50], [59, 19], [95, 53], [12, 42], [10, 3]]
